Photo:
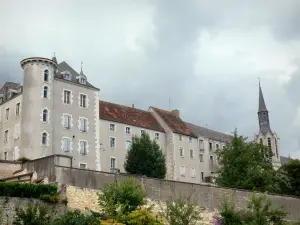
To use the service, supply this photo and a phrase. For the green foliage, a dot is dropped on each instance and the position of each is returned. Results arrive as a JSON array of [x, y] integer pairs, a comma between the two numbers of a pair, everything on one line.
[[181, 212], [26, 190], [119, 199], [259, 212], [145, 158], [292, 171], [50, 198], [32, 214], [76, 218], [23, 159], [246, 165], [142, 217]]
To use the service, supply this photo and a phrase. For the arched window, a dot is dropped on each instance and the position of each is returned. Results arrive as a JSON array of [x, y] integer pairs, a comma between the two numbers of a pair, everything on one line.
[[269, 143], [46, 75], [261, 141], [44, 138], [45, 115], [45, 92], [277, 154]]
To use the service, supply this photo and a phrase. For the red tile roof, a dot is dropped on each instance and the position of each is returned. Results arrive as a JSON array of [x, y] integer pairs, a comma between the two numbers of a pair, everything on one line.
[[128, 115], [174, 122]]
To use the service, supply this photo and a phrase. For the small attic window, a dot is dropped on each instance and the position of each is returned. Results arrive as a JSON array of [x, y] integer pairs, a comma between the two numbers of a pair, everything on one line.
[[68, 76], [9, 95], [82, 80]]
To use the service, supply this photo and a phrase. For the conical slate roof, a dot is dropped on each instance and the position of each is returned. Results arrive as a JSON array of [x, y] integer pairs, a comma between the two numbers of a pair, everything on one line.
[[262, 105]]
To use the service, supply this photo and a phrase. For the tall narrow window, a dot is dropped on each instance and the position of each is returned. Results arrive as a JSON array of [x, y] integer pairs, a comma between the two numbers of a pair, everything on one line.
[[67, 97], [45, 115], [67, 144], [261, 140], [128, 130], [210, 146], [191, 153], [83, 147], [201, 144], [83, 125], [269, 143], [181, 153], [5, 155], [44, 138], [7, 113], [217, 146], [190, 139], [112, 163], [18, 109], [156, 136], [128, 144], [211, 160], [82, 101], [67, 121], [193, 171], [201, 157], [182, 170], [45, 92], [46, 75], [6, 136], [202, 176], [276, 146], [68, 76], [112, 142]]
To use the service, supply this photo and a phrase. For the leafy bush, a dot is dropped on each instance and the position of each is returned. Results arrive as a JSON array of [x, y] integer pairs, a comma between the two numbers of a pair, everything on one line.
[[50, 198], [142, 217], [32, 214], [121, 199], [23, 159], [110, 222], [26, 190], [181, 212], [76, 218]]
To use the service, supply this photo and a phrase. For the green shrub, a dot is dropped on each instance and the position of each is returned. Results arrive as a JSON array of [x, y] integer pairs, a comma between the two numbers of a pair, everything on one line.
[[50, 198], [76, 218], [32, 214], [26, 190], [142, 217]]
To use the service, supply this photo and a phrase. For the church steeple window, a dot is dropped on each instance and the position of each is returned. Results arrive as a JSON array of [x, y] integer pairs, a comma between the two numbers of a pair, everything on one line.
[[269, 143], [277, 155], [261, 141]]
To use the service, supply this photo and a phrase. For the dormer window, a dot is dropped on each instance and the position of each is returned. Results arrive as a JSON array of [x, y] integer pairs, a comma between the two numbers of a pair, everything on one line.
[[68, 76], [9, 95], [82, 80]]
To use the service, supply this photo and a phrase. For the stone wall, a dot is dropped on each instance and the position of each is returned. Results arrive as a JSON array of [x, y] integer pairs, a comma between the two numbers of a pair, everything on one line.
[[164, 190], [8, 167], [8, 207]]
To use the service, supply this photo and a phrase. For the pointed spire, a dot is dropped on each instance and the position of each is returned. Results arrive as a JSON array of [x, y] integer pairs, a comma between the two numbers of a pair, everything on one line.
[[81, 72], [54, 58], [262, 105]]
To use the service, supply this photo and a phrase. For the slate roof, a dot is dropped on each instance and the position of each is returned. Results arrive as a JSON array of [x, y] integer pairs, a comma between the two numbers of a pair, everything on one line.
[[284, 160], [10, 85], [63, 66], [175, 123], [208, 133], [261, 105], [128, 115]]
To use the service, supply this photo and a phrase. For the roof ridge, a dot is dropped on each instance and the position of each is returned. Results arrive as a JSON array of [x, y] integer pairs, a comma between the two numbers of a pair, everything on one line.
[[124, 106], [207, 128], [164, 110]]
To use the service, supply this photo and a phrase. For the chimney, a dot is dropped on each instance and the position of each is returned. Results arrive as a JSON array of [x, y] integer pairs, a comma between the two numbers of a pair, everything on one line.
[[133, 106], [176, 113]]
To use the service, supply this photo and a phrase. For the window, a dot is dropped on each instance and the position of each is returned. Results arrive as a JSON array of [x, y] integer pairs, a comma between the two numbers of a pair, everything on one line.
[[143, 132], [82, 81], [45, 92], [128, 130], [211, 159], [44, 138], [112, 127], [46, 75], [201, 146], [193, 171], [6, 136], [210, 146], [201, 157], [181, 153], [112, 142], [18, 109], [5, 155], [190, 139], [67, 97], [156, 136], [67, 121], [45, 115], [83, 101], [83, 125], [83, 147], [261, 141], [17, 131], [202, 176], [217, 146], [182, 170], [66, 144], [67, 76], [191, 153], [112, 163], [277, 154], [7, 113], [128, 144], [269, 143], [82, 165], [180, 137]]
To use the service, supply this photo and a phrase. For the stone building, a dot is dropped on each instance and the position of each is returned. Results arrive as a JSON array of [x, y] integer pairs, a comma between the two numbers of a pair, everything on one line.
[[57, 111]]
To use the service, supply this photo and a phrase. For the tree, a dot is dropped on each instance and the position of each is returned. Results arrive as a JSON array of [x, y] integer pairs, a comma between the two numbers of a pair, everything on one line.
[[292, 170], [246, 165], [119, 199], [145, 158]]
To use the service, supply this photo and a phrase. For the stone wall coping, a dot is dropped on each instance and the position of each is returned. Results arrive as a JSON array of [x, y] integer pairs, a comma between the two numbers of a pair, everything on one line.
[[10, 161]]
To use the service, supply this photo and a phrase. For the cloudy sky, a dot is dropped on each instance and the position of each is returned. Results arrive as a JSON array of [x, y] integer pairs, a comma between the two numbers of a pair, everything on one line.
[[204, 55]]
